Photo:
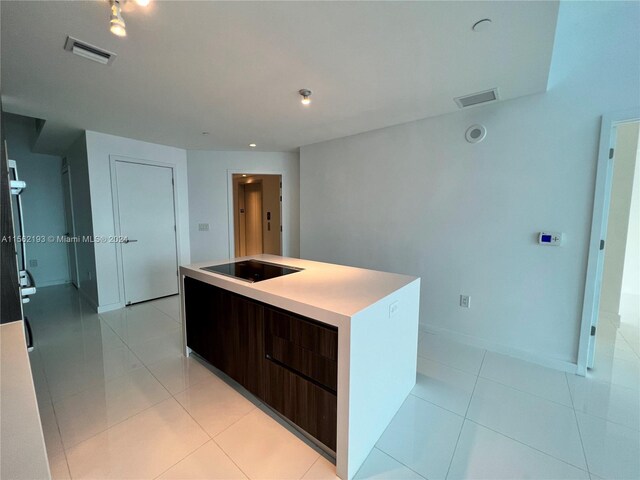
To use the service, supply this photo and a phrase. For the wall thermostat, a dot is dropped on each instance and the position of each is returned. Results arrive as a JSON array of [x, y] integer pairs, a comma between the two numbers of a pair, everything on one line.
[[550, 238], [475, 133]]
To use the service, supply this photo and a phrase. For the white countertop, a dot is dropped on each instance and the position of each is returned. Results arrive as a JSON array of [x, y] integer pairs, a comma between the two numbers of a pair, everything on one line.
[[320, 287], [23, 454]]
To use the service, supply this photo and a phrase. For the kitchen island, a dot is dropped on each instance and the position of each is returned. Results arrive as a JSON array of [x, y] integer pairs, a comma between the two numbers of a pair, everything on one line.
[[332, 348]]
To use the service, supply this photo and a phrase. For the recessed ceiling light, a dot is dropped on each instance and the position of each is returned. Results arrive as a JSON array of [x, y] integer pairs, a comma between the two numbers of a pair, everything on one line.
[[481, 25], [252, 145], [305, 96], [244, 174], [143, 3]]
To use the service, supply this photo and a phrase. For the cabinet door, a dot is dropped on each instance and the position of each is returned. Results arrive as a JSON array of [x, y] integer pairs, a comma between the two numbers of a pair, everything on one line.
[[305, 347], [312, 408], [198, 312], [248, 344], [301, 372], [221, 325]]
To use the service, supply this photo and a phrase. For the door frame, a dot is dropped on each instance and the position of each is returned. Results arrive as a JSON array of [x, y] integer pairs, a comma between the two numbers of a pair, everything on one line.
[[284, 207], [116, 215], [66, 168], [599, 221]]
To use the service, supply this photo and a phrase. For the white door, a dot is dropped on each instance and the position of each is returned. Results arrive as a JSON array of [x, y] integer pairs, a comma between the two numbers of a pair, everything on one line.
[[147, 218], [70, 226]]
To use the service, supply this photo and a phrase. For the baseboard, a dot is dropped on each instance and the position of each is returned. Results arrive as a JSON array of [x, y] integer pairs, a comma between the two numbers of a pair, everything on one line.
[[528, 356], [110, 307]]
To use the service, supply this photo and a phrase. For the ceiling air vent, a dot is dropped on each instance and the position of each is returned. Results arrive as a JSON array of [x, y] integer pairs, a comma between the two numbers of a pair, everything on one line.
[[477, 98], [86, 50]]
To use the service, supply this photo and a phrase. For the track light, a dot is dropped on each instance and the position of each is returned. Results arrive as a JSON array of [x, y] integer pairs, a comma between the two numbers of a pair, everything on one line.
[[305, 96], [116, 22]]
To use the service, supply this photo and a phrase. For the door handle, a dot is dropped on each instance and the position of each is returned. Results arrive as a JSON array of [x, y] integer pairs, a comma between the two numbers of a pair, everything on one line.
[[129, 241]]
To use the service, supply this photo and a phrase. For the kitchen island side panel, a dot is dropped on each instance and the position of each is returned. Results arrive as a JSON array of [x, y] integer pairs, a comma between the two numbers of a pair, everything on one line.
[[383, 362]]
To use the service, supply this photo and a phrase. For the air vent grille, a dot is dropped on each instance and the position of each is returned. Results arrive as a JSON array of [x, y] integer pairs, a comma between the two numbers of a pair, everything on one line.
[[477, 98], [88, 51]]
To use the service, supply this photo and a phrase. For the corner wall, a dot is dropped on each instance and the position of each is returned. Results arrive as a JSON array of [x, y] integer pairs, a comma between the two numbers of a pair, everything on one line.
[[418, 199], [100, 147], [42, 202], [81, 197], [209, 198]]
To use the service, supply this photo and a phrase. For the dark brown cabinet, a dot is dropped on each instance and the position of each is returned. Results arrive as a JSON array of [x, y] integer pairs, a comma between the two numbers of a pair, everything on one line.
[[288, 361]]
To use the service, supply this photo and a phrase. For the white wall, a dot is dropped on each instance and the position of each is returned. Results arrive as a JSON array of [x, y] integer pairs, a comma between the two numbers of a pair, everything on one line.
[[618, 223], [209, 198], [99, 149], [418, 199], [81, 197], [42, 202], [631, 272]]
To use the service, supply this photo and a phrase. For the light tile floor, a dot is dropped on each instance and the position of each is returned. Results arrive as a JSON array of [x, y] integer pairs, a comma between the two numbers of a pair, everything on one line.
[[118, 400]]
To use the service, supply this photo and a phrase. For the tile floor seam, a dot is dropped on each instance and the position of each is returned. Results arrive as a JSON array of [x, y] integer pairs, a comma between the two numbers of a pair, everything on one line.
[[626, 340], [191, 416], [453, 454], [64, 450], [163, 312], [71, 447], [94, 385], [449, 366], [435, 404], [392, 457], [529, 446], [233, 461], [524, 391], [46, 380], [310, 466], [575, 415], [231, 425], [127, 343], [190, 453]]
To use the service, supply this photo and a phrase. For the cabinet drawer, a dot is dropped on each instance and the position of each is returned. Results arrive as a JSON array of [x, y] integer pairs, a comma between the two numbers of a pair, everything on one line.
[[308, 334], [312, 408], [305, 347]]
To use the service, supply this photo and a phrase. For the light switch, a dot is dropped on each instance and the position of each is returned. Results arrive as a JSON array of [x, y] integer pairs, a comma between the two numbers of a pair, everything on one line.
[[203, 227]]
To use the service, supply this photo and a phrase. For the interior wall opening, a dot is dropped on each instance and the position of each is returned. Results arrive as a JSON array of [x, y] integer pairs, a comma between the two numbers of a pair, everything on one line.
[[257, 214]]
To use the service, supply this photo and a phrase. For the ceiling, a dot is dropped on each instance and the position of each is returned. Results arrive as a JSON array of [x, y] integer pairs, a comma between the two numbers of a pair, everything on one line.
[[233, 69]]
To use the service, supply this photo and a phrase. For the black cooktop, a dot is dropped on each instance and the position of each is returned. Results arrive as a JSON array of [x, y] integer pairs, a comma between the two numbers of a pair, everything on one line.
[[252, 270]]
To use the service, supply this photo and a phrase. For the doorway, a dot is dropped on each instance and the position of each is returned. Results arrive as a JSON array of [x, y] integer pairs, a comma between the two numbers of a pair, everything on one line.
[[612, 221], [257, 213], [70, 223], [145, 216]]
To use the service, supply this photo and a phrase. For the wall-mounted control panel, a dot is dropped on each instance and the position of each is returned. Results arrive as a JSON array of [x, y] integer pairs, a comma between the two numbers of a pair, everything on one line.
[[550, 238]]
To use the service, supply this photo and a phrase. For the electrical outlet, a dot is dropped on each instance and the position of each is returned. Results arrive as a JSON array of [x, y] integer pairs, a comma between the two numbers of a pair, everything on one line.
[[203, 227], [33, 263], [393, 309], [465, 301]]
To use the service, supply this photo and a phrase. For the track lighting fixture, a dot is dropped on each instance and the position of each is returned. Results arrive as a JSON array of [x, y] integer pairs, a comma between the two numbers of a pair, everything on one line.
[[116, 22], [305, 96]]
